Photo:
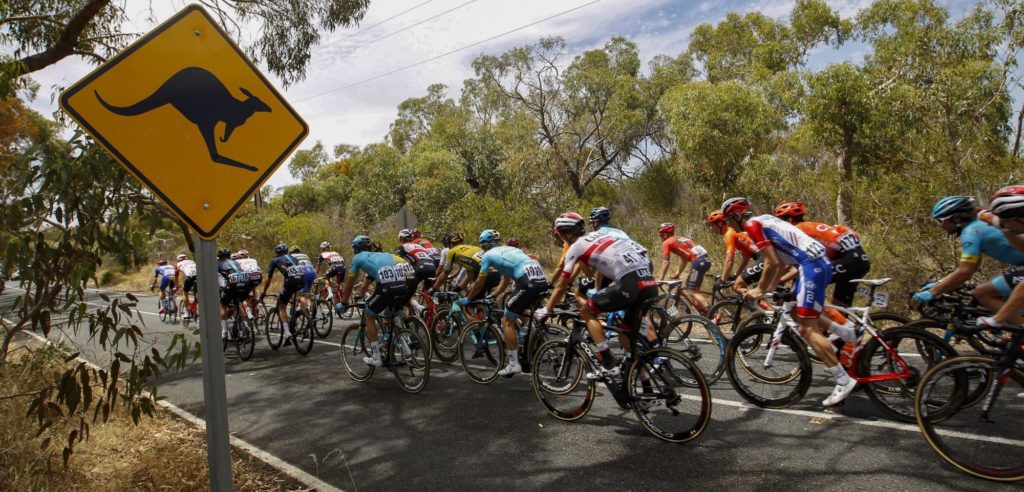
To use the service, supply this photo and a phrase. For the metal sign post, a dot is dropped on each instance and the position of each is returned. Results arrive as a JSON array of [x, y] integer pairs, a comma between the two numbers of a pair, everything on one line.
[[215, 398]]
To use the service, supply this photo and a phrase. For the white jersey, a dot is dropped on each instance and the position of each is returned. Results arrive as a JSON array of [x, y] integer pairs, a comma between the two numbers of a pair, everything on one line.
[[186, 267], [444, 254], [613, 258], [249, 265], [793, 245]]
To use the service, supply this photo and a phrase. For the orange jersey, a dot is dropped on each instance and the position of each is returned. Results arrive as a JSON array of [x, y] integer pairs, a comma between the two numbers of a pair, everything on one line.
[[738, 241], [683, 247], [839, 239]]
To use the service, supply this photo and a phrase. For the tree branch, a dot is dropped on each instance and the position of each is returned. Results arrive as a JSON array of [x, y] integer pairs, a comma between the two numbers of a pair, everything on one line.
[[65, 45]]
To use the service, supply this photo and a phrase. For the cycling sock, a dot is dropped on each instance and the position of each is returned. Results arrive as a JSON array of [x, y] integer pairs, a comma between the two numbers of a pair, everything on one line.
[[839, 373], [415, 305], [224, 327], [847, 332], [513, 358]]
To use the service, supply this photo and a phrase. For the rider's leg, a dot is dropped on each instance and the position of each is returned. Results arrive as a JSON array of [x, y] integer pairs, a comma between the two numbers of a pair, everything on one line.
[[988, 295], [1009, 313]]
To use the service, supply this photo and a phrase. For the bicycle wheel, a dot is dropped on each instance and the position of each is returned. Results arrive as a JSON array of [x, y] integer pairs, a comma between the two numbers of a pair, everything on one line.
[[445, 335], [246, 338], [884, 320], [481, 351], [896, 396], [767, 374], [354, 346], [323, 320], [704, 345], [183, 308], [410, 360], [670, 396], [303, 333], [727, 314], [558, 381], [164, 312], [977, 382], [677, 306], [417, 326], [982, 444], [274, 330], [538, 336]]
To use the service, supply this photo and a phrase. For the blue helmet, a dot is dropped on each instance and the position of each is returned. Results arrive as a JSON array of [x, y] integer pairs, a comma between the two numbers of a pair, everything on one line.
[[950, 205], [281, 249], [361, 243], [601, 215], [490, 237]]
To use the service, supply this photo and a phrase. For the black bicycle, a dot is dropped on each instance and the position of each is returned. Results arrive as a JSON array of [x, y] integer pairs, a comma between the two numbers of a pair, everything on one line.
[[403, 351], [242, 331], [299, 324]]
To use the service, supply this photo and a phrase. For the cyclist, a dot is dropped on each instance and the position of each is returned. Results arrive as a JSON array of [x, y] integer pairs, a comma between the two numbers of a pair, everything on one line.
[[186, 267], [335, 266], [294, 279], [517, 268], [736, 241], [235, 286], [618, 260], [565, 245], [691, 253], [389, 291], [514, 242], [468, 257], [842, 247], [780, 242], [417, 238], [958, 215], [422, 262], [1006, 211], [165, 273], [310, 271], [599, 219], [251, 267]]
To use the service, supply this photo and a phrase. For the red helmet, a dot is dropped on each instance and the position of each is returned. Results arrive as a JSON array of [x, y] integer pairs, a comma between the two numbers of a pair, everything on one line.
[[568, 220], [791, 209], [735, 206], [416, 233], [1008, 202], [514, 242], [666, 228], [715, 216]]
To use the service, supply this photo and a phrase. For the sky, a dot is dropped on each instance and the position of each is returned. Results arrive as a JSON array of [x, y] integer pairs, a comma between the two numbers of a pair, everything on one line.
[[342, 106]]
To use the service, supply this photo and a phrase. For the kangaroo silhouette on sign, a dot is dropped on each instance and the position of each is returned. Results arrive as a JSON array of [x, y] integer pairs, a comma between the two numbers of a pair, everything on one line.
[[204, 100]]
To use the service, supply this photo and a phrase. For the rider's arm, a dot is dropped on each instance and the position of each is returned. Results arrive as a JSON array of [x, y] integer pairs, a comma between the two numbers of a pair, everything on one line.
[[561, 285], [770, 276], [665, 263], [270, 277], [682, 266], [950, 282], [365, 286], [501, 286], [346, 290], [477, 286], [726, 275]]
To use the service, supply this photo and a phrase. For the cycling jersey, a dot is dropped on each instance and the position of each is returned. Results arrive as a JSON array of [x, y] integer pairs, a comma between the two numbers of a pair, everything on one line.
[[613, 258], [979, 238], [251, 267], [166, 275], [613, 232], [186, 267], [512, 263], [332, 258], [381, 267], [431, 250], [417, 255], [683, 247], [233, 280], [738, 241], [791, 243], [464, 255], [835, 240]]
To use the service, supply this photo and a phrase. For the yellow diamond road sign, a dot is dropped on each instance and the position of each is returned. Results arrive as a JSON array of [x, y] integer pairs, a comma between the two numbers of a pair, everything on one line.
[[186, 112]]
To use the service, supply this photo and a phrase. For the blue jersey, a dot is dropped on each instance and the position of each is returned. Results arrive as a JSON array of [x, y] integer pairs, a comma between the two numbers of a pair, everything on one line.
[[793, 245], [287, 265], [981, 238], [165, 271], [615, 233], [378, 266], [511, 262]]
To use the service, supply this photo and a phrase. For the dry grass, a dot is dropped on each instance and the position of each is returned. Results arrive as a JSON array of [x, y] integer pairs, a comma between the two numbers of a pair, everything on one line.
[[164, 453], [126, 282]]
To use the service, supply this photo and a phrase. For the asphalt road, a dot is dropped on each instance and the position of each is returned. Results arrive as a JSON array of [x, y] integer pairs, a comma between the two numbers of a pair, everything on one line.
[[458, 435]]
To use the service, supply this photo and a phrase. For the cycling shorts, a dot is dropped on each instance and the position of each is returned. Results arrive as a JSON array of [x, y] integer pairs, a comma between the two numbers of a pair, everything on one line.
[[230, 295], [847, 266], [809, 287], [525, 293], [336, 271], [308, 277], [255, 279], [393, 295], [291, 286], [493, 279], [698, 268], [166, 282], [627, 293], [1008, 280], [190, 284], [752, 274]]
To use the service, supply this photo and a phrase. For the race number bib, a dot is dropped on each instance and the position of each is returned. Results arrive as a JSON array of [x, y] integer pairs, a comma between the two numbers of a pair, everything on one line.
[[699, 251], [296, 271], [389, 274], [848, 242], [814, 249], [534, 271], [239, 278]]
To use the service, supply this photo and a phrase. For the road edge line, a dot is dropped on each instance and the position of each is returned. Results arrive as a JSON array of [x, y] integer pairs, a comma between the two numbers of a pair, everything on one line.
[[271, 460]]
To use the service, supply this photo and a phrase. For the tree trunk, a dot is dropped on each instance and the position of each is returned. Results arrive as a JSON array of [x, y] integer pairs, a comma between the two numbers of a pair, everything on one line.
[[67, 42], [844, 201], [1016, 141]]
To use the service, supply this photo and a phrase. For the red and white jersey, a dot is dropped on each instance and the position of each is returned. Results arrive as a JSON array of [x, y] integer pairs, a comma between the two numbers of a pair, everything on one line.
[[794, 246], [614, 258], [186, 267], [332, 258], [417, 253]]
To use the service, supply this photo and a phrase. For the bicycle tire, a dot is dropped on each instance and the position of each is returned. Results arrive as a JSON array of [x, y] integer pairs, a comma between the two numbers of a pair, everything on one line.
[[445, 336], [673, 401], [727, 314], [744, 364], [556, 378], [481, 351], [540, 334], [323, 319], [354, 346], [413, 370], [185, 320], [704, 345], [896, 396], [247, 341], [304, 333], [946, 432], [976, 380], [884, 320], [418, 326], [274, 330]]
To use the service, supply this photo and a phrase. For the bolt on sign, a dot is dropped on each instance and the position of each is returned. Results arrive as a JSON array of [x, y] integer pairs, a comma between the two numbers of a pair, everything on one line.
[[187, 113]]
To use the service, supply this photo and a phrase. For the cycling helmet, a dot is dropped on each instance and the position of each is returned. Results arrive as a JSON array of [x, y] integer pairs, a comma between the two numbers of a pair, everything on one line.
[[361, 243], [489, 236], [181, 257], [1008, 202], [281, 249], [514, 242], [716, 216], [795, 210], [405, 235], [243, 253], [666, 228], [161, 261], [735, 206], [223, 253], [451, 238], [376, 247], [952, 205], [416, 233], [296, 249], [234, 256], [325, 245], [571, 222], [601, 215]]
